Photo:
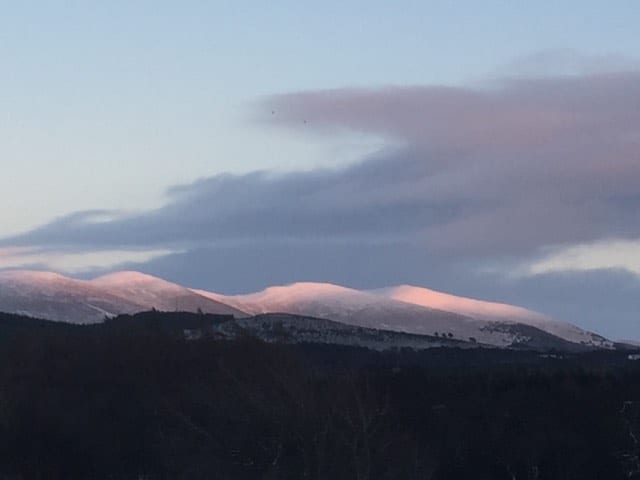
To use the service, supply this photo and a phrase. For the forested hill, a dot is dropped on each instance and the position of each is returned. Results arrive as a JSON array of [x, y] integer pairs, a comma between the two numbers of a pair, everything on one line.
[[137, 400]]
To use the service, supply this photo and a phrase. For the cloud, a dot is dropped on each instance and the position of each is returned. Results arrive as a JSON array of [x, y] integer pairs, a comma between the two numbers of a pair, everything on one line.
[[72, 262], [618, 254], [523, 163], [485, 171]]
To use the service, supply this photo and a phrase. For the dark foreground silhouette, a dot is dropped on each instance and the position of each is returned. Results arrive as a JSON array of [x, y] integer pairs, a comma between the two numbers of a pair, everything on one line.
[[132, 398]]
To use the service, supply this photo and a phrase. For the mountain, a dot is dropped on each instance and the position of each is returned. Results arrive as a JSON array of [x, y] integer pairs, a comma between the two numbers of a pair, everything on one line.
[[490, 311], [380, 311], [408, 310], [289, 328], [152, 292], [52, 296]]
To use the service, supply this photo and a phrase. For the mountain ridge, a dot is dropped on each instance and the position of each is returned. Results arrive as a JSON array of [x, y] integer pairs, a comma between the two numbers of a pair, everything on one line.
[[52, 296], [377, 309], [404, 308]]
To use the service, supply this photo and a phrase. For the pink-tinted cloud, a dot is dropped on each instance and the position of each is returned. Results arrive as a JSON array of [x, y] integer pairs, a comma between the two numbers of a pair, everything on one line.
[[533, 161], [510, 116]]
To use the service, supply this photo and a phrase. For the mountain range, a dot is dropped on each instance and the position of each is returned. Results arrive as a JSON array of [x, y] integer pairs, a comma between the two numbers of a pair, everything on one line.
[[405, 312]]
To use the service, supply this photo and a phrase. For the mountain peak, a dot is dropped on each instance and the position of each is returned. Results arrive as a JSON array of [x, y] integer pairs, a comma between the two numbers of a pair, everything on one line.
[[126, 277], [308, 289], [33, 275], [463, 305]]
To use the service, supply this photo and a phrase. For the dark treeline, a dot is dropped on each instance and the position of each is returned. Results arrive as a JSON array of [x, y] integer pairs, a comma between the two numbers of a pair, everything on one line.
[[133, 399]]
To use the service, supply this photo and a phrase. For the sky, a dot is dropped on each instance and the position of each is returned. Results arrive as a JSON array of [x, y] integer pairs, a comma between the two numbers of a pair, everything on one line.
[[485, 148]]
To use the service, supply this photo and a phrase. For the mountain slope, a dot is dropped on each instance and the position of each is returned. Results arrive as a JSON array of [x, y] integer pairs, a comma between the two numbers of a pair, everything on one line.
[[152, 292], [288, 328], [490, 311], [55, 297], [295, 329], [372, 310]]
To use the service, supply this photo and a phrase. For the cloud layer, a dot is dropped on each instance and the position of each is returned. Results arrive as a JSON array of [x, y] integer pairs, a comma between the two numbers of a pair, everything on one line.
[[510, 167], [500, 169]]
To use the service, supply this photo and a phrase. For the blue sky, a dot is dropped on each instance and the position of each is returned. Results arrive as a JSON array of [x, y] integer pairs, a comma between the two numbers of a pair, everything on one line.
[[110, 105]]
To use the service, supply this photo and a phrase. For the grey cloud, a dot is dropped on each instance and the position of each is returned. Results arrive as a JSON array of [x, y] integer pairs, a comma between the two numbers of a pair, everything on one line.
[[356, 203], [510, 115], [529, 162], [481, 172]]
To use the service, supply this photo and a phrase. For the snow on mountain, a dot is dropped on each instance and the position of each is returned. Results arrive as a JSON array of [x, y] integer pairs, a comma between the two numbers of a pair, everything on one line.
[[152, 292], [406, 309], [289, 328], [370, 310], [297, 296], [490, 311], [55, 297], [463, 305]]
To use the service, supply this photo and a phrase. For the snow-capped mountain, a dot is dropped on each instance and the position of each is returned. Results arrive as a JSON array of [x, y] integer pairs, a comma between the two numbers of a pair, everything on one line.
[[403, 309], [153, 292], [490, 311], [381, 311], [55, 297]]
